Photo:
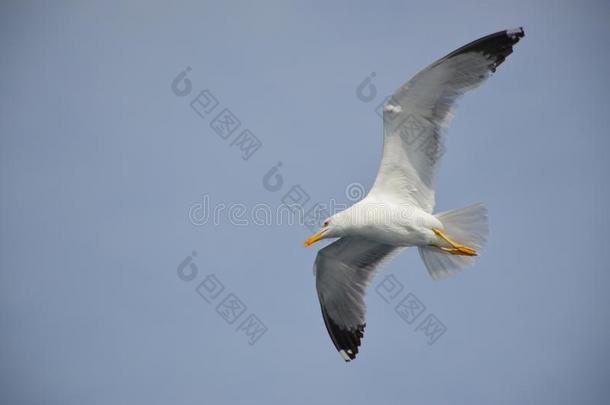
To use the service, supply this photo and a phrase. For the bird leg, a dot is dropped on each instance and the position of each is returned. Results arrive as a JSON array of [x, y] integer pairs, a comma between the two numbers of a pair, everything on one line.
[[456, 248]]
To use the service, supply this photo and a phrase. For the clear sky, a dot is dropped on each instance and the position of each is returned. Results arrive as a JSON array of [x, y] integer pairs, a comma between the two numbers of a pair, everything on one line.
[[102, 158]]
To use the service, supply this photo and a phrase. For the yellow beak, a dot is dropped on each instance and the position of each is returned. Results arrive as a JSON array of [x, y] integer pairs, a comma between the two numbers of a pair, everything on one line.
[[314, 238]]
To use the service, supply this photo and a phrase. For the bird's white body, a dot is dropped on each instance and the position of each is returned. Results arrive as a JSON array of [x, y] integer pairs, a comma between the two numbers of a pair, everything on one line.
[[390, 222]]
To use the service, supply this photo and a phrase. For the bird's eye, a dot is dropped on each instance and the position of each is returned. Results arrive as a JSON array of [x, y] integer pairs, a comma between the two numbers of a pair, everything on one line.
[[326, 223]]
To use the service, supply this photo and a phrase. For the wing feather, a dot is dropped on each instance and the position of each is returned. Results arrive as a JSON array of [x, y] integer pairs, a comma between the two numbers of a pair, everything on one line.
[[417, 115], [343, 270]]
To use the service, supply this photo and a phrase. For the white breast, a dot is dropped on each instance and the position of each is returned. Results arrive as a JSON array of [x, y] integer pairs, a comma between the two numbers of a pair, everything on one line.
[[394, 224]]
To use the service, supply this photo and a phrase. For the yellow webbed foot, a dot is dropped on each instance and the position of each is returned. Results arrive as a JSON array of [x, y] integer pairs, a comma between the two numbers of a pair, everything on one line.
[[456, 248]]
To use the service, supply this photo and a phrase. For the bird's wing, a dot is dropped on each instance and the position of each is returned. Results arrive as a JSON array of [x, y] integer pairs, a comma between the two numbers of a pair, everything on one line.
[[417, 114], [343, 271]]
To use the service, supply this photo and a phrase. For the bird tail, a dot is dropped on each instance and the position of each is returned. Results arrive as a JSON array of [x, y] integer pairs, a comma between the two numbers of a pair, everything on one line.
[[467, 226]]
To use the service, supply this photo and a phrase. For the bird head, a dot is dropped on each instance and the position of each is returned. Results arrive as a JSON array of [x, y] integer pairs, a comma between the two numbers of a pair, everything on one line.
[[329, 230]]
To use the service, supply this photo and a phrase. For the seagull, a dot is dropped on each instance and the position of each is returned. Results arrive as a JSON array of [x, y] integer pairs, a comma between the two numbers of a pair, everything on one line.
[[398, 210]]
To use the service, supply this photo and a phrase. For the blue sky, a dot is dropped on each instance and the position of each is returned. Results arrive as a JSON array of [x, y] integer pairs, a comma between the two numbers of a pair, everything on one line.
[[100, 163]]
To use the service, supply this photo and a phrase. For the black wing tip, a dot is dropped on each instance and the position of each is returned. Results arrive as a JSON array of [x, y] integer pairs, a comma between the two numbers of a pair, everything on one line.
[[346, 341], [496, 46], [349, 352]]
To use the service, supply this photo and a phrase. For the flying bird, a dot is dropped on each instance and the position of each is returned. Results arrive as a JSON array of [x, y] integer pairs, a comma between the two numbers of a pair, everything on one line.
[[398, 210]]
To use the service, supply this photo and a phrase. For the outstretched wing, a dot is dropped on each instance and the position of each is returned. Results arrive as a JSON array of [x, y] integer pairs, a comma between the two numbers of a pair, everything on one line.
[[343, 271], [418, 113]]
